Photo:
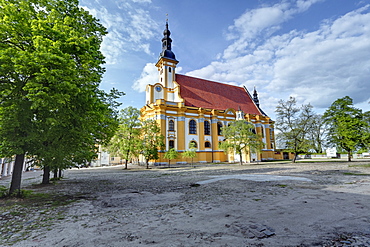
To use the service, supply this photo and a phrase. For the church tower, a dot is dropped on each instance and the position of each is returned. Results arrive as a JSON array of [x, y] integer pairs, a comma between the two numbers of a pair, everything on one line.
[[166, 65]]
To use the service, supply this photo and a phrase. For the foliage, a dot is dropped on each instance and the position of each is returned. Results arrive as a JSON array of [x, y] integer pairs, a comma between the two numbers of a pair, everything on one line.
[[151, 140], [241, 137], [294, 124], [171, 155], [51, 106], [347, 127], [366, 137], [191, 152], [126, 141], [3, 191], [317, 134]]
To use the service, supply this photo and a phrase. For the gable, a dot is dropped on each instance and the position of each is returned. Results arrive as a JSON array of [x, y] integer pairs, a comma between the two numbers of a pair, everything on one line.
[[214, 95]]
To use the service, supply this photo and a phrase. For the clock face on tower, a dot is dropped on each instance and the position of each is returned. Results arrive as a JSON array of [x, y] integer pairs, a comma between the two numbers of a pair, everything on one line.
[[158, 88]]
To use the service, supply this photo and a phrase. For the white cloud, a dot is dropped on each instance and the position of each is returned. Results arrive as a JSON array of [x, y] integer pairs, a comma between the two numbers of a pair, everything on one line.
[[316, 67], [261, 21], [129, 29], [149, 75], [142, 1], [327, 64]]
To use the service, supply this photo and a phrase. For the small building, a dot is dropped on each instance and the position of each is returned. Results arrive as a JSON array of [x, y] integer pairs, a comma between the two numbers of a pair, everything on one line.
[[193, 110]]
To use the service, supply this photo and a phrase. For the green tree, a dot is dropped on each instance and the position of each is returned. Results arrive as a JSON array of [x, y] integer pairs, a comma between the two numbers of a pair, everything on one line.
[[50, 68], [294, 124], [151, 140], [317, 133], [190, 153], [171, 155], [240, 137], [366, 136], [347, 127], [126, 141]]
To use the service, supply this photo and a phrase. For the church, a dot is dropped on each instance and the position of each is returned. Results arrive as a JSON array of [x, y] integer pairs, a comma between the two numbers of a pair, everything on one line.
[[193, 110]]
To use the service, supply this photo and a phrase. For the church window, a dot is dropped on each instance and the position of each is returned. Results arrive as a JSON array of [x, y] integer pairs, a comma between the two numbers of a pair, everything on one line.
[[192, 127], [219, 128], [262, 132], [207, 128], [193, 143], [171, 125], [207, 144], [169, 69], [171, 144]]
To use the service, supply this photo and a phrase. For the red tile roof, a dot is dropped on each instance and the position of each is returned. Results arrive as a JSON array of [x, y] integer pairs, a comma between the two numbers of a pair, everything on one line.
[[214, 95]]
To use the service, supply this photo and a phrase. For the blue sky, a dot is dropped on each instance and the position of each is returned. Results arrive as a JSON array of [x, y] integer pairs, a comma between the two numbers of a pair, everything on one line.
[[314, 50]]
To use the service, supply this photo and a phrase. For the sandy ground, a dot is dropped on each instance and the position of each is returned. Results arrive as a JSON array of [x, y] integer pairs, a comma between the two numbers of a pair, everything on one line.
[[268, 204]]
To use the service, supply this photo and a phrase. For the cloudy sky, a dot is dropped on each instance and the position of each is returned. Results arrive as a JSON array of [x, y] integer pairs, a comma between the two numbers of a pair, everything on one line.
[[314, 50]]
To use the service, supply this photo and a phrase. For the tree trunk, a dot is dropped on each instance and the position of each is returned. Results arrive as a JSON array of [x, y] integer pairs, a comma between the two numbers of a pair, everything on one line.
[[147, 164], [15, 186], [126, 162], [55, 172], [241, 158], [169, 163], [46, 175], [295, 157], [60, 173], [349, 155]]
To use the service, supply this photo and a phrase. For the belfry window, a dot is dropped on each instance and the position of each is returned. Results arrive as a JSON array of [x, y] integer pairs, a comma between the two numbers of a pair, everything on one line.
[[192, 127], [169, 69], [207, 144], [171, 125], [207, 128]]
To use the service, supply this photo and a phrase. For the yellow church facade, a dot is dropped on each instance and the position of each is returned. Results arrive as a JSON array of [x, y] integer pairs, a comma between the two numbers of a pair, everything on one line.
[[193, 110]]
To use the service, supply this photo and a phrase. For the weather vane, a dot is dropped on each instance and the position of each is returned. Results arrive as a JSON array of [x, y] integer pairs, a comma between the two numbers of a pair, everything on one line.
[[166, 17]]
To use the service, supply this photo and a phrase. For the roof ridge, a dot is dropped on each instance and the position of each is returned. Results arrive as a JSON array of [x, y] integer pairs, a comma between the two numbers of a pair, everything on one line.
[[211, 81]]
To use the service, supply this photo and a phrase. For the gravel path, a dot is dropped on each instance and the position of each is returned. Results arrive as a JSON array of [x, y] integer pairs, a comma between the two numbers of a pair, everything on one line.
[[268, 204]]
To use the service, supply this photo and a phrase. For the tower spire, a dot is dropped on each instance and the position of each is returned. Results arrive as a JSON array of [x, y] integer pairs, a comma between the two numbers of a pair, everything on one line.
[[255, 97], [167, 44]]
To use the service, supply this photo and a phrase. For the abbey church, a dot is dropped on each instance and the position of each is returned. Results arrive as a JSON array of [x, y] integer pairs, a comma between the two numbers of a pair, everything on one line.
[[192, 110]]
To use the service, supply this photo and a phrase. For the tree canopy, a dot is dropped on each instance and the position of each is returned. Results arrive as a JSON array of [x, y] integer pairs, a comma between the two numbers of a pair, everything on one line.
[[294, 124], [126, 141], [348, 128], [171, 155], [191, 152], [151, 140], [51, 106], [241, 137]]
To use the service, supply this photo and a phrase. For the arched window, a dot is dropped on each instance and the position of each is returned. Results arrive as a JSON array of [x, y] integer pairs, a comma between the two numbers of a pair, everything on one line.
[[207, 128], [192, 127], [171, 144], [207, 144], [171, 125], [219, 128], [193, 143]]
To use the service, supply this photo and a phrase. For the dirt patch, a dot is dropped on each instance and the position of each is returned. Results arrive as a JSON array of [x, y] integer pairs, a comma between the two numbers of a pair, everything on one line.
[[310, 204]]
